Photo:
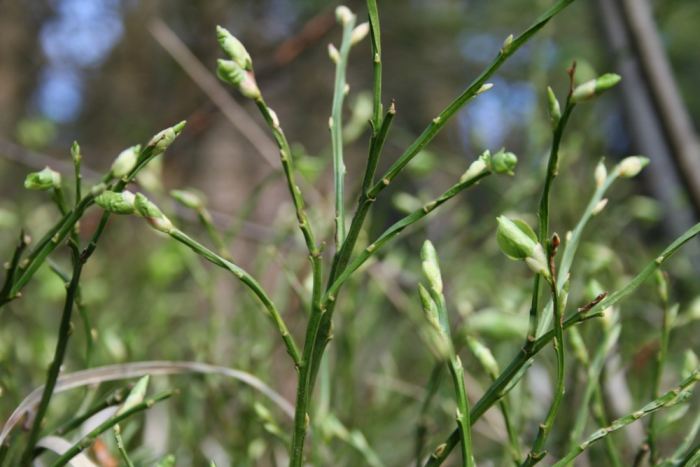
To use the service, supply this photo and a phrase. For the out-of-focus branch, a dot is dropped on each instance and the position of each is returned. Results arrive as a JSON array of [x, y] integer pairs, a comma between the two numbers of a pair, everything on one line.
[[676, 122]]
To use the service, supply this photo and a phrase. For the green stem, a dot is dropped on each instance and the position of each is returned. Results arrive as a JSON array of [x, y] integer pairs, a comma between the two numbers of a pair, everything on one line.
[[64, 332], [667, 400], [247, 280], [375, 34], [496, 390], [464, 426], [87, 440], [113, 399], [472, 90], [666, 325], [336, 127], [120, 446], [593, 391], [537, 452]]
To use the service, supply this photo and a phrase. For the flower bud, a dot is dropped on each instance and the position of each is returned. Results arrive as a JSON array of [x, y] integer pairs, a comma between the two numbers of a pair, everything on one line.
[[43, 180], [537, 261], [234, 48], [344, 15], [484, 356], [475, 169], [431, 266], [432, 333], [125, 161], [75, 152], [116, 202], [554, 108], [507, 43], [333, 53], [152, 214], [516, 239], [503, 162], [594, 87], [188, 199], [690, 363], [233, 74], [359, 33], [600, 174], [632, 165], [484, 87], [164, 138], [599, 207]]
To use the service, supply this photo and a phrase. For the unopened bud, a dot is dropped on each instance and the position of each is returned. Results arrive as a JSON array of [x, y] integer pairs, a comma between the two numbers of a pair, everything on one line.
[[116, 202], [632, 165], [554, 107], [75, 152], [505, 48], [537, 261], [594, 87], [333, 54], [152, 214], [484, 87], [503, 162], [43, 180], [475, 169], [235, 75], [484, 356], [516, 239], [163, 139], [599, 206], [431, 266], [359, 33], [600, 174], [234, 48], [125, 161], [188, 199], [344, 15]]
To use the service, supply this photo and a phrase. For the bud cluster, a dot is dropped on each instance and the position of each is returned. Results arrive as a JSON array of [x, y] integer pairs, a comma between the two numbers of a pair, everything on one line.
[[45, 179]]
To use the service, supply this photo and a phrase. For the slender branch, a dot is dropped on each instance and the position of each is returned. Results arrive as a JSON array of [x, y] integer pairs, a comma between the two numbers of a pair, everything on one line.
[[64, 332], [250, 282], [472, 90], [120, 446], [87, 440], [116, 398], [336, 127], [497, 389], [375, 34], [667, 400]]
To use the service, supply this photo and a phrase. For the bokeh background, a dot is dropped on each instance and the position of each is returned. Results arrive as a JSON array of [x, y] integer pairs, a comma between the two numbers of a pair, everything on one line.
[[111, 73]]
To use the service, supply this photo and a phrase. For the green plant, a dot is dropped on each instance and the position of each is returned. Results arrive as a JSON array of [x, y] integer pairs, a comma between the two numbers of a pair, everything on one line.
[[549, 258]]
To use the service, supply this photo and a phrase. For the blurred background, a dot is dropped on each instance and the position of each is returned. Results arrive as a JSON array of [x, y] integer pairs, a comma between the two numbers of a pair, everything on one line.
[[111, 73]]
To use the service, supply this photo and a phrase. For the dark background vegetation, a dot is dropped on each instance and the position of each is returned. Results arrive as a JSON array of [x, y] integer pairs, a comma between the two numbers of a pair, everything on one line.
[[92, 71]]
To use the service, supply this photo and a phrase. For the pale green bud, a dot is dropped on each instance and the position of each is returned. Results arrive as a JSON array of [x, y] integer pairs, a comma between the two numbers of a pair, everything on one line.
[[507, 43], [333, 53], [136, 396], [188, 199], [235, 75], [690, 363], [125, 161], [631, 166], [554, 107], [431, 266], [116, 202], [344, 15], [484, 355], [152, 214], [594, 87], [661, 285], [516, 239], [43, 180], [537, 261], [432, 333], [475, 169], [75, 152], [503, 162], [484, 87], [234, 48], [164, 138], [599, 206], [600, 174], [359, 33]]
